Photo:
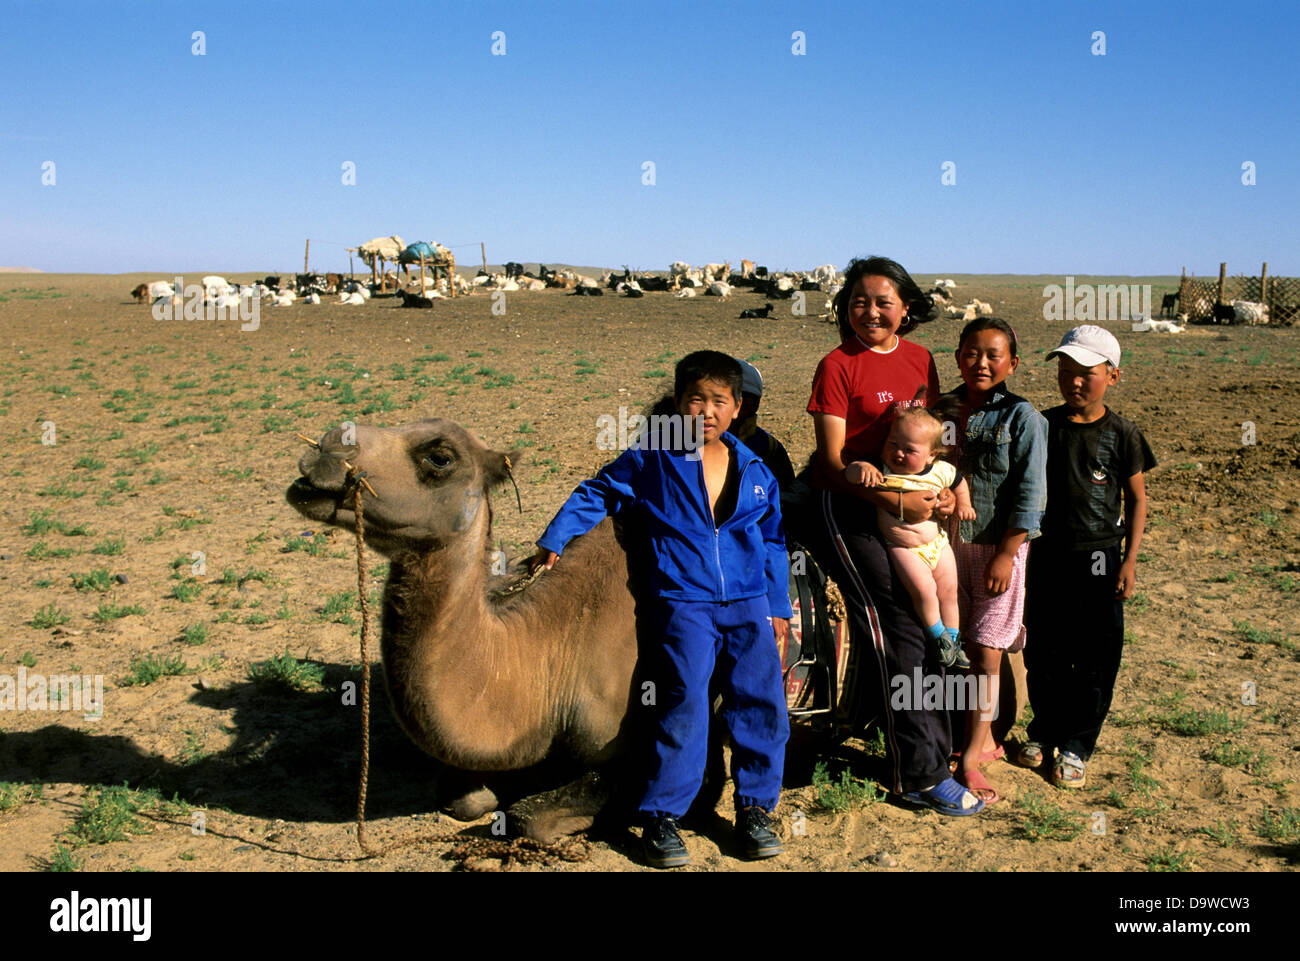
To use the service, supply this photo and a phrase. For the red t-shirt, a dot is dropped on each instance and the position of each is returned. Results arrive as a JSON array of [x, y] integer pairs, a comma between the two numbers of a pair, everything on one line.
[[865, 386]]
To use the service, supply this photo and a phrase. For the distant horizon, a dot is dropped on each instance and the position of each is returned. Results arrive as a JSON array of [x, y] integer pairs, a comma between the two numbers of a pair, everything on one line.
[[1009, 138], [923, 277]]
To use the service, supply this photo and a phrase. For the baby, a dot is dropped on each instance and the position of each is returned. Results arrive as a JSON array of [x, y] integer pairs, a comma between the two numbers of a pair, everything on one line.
[[920, 552]]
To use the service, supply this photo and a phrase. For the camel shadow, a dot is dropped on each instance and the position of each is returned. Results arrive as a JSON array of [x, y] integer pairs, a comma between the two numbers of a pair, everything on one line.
[[295, 755]]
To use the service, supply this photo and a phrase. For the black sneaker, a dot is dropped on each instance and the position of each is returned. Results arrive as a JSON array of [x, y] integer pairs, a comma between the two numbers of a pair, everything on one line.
[[754, 834], [663, 846]]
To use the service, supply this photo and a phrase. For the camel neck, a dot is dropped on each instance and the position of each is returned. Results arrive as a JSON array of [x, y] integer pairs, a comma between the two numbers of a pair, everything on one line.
[[448, 658], [435, 589]]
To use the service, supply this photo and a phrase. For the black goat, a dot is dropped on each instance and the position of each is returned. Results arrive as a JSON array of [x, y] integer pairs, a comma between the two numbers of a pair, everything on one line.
[[414, 300], [752, 312], [1168, 304]]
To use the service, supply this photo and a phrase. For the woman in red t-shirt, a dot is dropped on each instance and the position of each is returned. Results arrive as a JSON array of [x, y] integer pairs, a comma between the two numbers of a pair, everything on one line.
[[855, 392]]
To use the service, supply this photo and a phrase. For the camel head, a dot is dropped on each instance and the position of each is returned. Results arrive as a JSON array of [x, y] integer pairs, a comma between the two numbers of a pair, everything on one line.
[[430, 480]]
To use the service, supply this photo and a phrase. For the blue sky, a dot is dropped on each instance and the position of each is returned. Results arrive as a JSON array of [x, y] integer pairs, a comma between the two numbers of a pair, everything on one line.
[[1066, 162]]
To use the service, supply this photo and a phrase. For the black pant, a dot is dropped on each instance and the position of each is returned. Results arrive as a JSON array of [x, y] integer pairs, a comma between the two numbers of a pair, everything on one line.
[[889, 639], [1074, 643]]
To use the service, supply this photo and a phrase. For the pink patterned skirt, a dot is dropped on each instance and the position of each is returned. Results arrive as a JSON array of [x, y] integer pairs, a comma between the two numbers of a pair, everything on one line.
[[990, 620]]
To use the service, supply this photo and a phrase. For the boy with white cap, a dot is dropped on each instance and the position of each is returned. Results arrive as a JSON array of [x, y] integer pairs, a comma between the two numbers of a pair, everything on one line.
[[1077, 578]]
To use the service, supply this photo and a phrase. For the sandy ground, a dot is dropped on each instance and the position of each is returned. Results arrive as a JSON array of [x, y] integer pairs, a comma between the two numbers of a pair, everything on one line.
[[177, 437]]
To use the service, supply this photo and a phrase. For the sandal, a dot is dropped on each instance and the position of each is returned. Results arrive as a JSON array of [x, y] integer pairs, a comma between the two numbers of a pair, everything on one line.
[[981, 788], [1030, 755], [954, 759], [1070, 771], [948, 797]]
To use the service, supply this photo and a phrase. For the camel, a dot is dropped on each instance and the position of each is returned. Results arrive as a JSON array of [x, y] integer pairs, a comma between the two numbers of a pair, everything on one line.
[[484, 681]]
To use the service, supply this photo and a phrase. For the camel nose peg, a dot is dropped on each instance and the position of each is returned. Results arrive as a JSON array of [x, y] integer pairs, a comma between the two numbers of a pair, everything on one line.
[[359, 477]]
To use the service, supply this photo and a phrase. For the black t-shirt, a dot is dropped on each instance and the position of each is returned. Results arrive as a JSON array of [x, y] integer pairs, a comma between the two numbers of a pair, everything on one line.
[[772, 454], [1087, 467]]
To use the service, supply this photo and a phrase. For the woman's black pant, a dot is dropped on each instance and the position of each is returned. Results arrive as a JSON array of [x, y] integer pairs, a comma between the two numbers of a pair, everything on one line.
[[890, 640]]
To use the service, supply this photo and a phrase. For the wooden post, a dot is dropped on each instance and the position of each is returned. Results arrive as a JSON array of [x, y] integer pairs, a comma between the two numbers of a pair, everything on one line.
[[1263, 286], [305, 254], [351, 272], [483, 250], [422, 290], [1223, 281], [1182, 295]]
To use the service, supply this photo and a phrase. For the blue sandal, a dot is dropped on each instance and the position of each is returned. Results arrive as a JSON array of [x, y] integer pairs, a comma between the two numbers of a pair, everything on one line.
[[947, 798]]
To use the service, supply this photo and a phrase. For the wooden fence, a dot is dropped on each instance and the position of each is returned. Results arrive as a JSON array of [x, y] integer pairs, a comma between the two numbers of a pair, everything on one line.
[[1281, 295]]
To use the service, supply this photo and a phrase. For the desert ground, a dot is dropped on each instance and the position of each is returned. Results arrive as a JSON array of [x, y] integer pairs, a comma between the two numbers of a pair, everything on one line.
[[176, 437]]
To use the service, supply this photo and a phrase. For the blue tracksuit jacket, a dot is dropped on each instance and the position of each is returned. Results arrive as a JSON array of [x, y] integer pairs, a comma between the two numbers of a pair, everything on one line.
[[744, 557]]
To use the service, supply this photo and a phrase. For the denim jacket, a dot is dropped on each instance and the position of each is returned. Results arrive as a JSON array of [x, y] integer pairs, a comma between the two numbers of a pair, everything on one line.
[[1003, 455]]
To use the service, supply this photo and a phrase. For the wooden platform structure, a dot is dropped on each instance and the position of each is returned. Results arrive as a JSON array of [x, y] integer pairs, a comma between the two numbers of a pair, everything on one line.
[[437, 258]]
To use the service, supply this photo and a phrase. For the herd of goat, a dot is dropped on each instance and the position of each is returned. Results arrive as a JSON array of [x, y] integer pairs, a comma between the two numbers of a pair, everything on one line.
[[683, 280], [711, 280], [221, 293]]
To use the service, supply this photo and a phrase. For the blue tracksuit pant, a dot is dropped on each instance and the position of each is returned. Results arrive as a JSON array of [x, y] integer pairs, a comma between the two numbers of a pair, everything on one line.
[[732, 643]]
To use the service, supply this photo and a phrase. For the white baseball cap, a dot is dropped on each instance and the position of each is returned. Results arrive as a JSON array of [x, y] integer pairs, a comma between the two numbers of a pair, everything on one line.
[[1089, 345], [751, 381]]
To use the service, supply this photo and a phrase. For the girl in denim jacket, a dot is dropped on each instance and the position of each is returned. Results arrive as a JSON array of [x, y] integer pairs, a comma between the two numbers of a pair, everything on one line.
[[1003, 455]]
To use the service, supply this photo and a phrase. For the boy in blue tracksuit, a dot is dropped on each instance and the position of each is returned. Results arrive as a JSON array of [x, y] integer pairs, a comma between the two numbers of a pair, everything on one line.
[[711, 512]]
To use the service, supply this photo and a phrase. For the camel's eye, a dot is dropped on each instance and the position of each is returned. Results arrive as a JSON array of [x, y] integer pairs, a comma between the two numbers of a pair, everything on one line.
[[438, 461]]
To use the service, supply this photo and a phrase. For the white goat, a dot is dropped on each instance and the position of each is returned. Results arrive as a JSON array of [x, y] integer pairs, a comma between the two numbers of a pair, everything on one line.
[[1249, 312], [825, 274], [1146, 324]]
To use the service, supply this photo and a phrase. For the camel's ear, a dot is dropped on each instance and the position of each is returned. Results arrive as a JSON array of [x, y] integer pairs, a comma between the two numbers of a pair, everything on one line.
[[497, 466]]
